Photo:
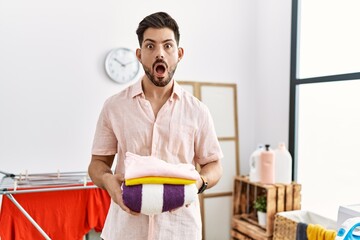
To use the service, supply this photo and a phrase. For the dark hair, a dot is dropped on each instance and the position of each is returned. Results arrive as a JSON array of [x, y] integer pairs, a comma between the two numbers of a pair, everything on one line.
[[158, 20]]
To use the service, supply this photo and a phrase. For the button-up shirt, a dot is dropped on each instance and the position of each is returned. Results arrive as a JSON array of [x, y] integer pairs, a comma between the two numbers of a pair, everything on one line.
[[182, 132]]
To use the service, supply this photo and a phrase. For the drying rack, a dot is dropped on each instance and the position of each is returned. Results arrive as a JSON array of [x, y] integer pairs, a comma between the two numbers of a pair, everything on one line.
[[23, 183]]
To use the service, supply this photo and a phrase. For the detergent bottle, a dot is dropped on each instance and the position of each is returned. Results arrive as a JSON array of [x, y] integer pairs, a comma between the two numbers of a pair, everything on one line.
[[254, 174], [283, 164], [267, 166]]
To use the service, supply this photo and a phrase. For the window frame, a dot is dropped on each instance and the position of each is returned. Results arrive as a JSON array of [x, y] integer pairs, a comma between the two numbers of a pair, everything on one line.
[[295, 82]]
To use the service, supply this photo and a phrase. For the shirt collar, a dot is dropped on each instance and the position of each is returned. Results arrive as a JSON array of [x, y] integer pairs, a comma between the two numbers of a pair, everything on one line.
[[177, 90], [137, 90]]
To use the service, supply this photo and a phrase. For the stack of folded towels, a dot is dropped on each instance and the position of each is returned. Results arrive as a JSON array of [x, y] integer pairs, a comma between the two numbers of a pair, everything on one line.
[[154, 186]]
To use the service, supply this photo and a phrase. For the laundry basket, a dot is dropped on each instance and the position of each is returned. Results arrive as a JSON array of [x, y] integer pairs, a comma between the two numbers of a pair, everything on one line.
[[286, 223]]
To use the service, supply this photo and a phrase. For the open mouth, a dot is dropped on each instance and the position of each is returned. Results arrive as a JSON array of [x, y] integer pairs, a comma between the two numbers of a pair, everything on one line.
[[160, 68]]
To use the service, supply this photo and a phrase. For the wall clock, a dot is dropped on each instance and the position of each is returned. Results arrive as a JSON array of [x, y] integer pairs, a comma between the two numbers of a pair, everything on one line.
[[121, 65]]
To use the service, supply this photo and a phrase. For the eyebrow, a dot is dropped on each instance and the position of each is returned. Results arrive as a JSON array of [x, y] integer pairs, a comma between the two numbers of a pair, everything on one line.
[[153, 41]]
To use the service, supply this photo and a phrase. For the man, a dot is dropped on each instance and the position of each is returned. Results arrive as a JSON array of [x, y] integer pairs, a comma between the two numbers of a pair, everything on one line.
[[154, 117]]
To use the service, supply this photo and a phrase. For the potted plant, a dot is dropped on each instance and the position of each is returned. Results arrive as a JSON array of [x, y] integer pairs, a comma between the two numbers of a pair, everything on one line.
[[260, 206]]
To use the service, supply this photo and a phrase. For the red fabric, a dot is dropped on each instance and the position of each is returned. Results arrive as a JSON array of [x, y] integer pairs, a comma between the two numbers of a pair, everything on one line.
[[61, 214]]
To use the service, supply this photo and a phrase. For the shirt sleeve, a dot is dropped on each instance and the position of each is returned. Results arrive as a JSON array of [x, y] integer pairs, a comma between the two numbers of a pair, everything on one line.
[[105, 142], [207, 147]]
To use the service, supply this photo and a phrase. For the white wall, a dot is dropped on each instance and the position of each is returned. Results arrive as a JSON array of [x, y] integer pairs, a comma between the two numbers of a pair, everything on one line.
[[272, 83], [53, 83], [263, 85]]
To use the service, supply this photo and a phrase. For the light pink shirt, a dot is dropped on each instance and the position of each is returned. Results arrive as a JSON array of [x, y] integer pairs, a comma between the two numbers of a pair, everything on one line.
[[182, 132]]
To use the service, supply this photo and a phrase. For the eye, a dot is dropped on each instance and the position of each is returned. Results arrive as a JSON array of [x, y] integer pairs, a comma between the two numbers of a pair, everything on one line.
[[168, 45], [149, 46]]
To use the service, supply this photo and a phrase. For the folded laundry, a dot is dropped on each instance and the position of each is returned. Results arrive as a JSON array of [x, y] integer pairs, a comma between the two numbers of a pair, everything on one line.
[[158, 180], [151, 199], [301, 231], [318, 232], [137, 166]]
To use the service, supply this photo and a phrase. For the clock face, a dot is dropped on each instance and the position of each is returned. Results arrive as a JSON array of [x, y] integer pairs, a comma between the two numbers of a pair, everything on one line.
[[122, 65]]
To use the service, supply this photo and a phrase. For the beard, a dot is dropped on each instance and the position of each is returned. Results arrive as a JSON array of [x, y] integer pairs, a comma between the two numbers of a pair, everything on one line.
[[160, 81]]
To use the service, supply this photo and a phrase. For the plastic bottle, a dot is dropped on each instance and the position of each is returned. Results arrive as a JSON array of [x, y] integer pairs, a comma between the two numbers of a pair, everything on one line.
[[283, 164], [267, 166], [254, 174]]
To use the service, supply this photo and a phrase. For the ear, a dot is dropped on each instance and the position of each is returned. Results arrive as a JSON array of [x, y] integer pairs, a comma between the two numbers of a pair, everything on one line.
[[138, 54], [180, 53]]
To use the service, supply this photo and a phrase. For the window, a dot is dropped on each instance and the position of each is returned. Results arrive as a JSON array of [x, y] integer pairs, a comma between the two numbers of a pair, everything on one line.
[[325, 103]]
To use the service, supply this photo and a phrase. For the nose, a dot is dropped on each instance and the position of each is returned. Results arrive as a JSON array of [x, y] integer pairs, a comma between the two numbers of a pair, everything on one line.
[[159, 57], [160, 54]]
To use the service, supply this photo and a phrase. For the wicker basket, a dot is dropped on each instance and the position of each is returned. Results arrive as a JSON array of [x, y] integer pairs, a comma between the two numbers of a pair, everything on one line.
[[284, 228], [285, 223]]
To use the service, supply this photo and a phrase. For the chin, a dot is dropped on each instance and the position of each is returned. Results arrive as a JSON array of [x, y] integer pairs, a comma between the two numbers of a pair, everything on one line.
[[158, 81], [161, 83]]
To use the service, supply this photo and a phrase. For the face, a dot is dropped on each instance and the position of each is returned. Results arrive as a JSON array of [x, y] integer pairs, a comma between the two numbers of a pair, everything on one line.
[[159, 55]]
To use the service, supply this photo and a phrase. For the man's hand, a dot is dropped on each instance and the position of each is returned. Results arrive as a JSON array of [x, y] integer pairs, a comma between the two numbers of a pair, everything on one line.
[[112, 184], [100, 173], [199, 183]]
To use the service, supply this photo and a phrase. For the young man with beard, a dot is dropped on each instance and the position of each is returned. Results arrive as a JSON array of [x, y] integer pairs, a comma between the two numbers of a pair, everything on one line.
[[154, 117]]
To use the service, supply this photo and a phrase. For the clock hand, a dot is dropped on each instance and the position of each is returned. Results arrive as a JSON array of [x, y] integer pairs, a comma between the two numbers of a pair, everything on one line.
[[129, 62], [116, 60]]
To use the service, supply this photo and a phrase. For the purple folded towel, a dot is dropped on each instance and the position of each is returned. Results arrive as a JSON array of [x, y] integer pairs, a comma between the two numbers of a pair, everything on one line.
[[157, 198]]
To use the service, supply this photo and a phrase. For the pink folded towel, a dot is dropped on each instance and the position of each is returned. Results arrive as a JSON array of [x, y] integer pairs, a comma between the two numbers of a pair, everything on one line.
[[137, 166]]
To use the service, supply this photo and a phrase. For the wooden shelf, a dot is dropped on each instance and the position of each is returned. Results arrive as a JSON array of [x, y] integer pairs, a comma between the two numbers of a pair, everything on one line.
[[280, 197]]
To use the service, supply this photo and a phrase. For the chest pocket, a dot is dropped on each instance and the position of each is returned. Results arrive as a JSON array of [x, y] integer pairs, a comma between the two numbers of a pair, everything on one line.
[[181, 141]]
